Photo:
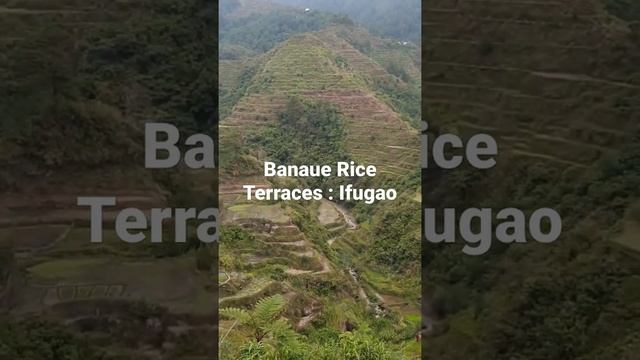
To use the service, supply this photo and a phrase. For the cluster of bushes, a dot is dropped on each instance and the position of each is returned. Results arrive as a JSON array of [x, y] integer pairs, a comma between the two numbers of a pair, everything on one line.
[[395, 240], [307, 132], [78, 99], [261, 32], [41, 341], [265, 334], [398, 19], [404, 98]]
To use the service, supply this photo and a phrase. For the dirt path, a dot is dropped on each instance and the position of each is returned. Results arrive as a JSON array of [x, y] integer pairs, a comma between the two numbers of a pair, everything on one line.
[[581, 77], [349, 219], [542, 74]]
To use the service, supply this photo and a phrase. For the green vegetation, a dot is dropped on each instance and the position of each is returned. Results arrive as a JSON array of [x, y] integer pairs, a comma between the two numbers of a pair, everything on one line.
[[306, 133], [273, 338], [32, 340], [229, 96], [624, 9], [77, 99], [398, 19], [234, 52], [405, 99], [385, 248], [325, 337], [264, 320], [403, 96], [313, 98], [78, 81], [303, 64], [394, 244], [578, 296], [261, 32]]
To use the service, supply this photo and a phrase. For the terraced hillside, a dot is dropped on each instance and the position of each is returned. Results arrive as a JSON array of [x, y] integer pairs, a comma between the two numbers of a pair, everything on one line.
[[279, 242], [308, 255], [60, 276], [540, 76], [324, 66], [78, 81], [556, 83]]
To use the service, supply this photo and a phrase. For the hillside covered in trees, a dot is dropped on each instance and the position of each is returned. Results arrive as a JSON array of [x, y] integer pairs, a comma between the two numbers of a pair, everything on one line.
[[396, 19]]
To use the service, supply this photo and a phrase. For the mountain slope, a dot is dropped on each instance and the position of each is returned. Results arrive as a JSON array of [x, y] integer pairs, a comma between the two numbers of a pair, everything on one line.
[[319, 97], [325, 66], [78, 80], [557, 84]]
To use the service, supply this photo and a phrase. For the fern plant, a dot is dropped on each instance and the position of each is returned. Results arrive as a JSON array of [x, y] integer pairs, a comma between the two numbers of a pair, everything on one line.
[[264, 320]]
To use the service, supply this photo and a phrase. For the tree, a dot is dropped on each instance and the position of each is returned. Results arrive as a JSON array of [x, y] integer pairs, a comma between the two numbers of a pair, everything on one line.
[[36, 340]]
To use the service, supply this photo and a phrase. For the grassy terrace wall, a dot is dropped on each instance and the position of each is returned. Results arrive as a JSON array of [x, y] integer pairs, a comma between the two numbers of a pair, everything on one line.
[[541, 76]]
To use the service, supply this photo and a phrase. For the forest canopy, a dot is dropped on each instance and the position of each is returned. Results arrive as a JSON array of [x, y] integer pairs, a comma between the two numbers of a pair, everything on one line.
[[390, 18]]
